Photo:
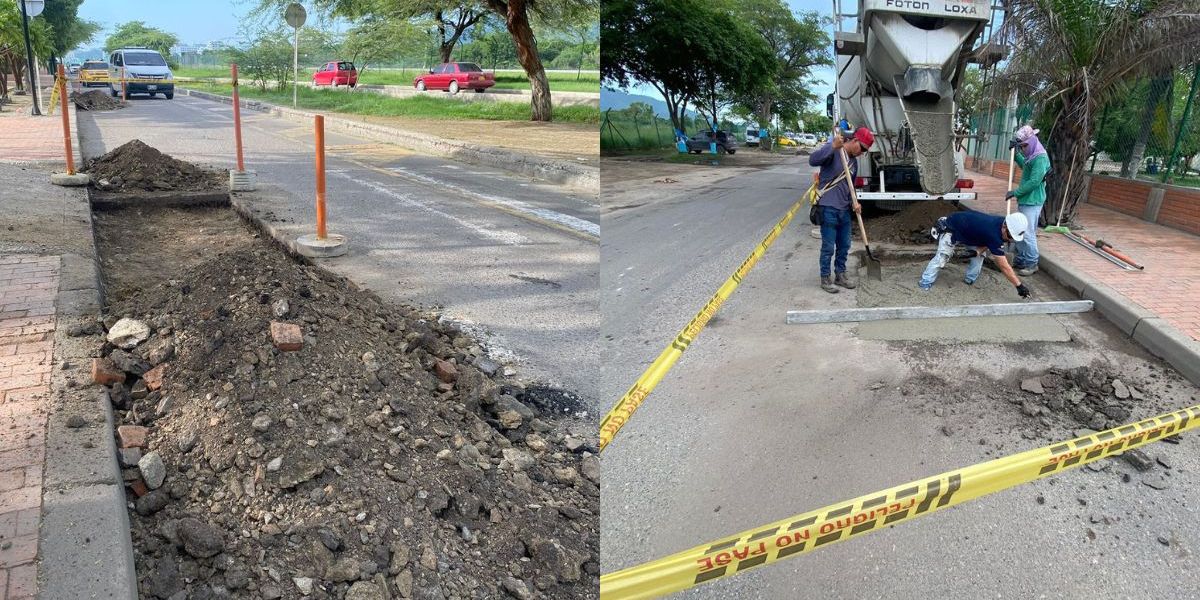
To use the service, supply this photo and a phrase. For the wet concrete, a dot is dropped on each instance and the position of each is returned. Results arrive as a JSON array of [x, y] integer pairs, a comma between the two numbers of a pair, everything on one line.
[[899, 288]]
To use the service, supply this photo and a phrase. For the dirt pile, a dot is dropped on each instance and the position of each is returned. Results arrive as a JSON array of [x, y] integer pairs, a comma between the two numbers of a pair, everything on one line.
[[95, 100], [387, 458], [911, 225], [136, 166]]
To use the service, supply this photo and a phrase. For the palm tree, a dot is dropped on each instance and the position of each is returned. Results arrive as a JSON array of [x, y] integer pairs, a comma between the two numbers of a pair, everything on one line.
[[1071, 56]]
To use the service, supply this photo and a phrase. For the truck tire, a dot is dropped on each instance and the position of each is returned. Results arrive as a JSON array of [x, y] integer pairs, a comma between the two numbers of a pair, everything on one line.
[[169, 95]]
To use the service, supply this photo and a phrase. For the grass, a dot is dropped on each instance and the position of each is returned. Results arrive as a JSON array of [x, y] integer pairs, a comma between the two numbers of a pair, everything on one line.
[[623, 135], [1180, 180], [511, 80], [421, 106]]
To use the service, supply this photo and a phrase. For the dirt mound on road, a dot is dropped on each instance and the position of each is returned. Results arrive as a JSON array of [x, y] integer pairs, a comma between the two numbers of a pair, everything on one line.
[[95, 100], [386, 453], [911, 225], [136, 166]]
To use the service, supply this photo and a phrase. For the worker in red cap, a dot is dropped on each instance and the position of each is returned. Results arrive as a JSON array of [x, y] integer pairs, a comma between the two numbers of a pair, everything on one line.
[[836, 203]]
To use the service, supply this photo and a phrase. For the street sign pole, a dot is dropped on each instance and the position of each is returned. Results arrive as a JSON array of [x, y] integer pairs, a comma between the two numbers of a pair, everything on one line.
[[29, 58], [295, 16]]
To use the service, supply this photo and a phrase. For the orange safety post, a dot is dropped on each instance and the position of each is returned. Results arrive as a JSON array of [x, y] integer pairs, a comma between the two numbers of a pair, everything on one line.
[[319, 123], [66, 119], [237, 119]]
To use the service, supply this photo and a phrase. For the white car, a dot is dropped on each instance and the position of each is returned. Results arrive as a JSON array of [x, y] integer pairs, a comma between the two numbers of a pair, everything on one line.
[[807, 139], [751, 136], [145, 71]]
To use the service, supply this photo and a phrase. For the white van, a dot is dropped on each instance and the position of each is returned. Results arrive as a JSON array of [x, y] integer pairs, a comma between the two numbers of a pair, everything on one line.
[[145, 72]]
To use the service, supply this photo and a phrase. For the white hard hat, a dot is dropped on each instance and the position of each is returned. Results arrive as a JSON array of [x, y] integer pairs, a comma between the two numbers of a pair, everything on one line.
[[1017, 224]]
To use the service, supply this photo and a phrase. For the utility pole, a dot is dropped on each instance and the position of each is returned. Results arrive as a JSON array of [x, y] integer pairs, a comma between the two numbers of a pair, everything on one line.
[[29, 59]]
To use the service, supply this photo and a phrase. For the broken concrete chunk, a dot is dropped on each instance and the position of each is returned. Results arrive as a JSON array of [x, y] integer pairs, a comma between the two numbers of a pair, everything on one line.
[[128, 333], [446, 371], [1120, 390], [1140, 460], [286, 336], [1033, 385], [153, 470]]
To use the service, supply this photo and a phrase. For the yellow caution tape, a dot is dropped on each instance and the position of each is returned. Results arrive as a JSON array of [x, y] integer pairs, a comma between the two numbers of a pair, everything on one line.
[[625, 407], [811, 530]]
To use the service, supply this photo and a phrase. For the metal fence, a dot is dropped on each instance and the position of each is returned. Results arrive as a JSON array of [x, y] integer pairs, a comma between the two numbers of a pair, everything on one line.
[[1151, 133], [626, 131]]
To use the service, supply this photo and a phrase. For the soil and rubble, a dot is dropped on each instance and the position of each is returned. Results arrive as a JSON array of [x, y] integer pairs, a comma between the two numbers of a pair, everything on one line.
[[910, 225], [134, 166], [95, 100], [388, 457]]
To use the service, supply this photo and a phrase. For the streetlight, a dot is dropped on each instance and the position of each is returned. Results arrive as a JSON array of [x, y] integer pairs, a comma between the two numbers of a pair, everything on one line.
[[31, 8]]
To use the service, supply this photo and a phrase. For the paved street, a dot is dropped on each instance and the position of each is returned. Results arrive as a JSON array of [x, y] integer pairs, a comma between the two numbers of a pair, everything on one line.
[[504, 255], [759, 420]]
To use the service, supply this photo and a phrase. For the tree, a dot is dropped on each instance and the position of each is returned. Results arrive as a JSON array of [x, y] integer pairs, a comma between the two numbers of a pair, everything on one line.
[[67, 30], [1160, 91], [730, 61], [267, 58], [1073, 56], [12, 44], [136, 33], [377, 39], [799, 43]]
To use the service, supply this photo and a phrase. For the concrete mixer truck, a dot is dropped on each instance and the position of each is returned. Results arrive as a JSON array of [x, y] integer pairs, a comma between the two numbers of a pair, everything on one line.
[[900, 64]]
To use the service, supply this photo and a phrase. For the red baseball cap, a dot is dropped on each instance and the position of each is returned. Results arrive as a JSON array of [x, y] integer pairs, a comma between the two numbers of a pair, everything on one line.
[[864, 136]]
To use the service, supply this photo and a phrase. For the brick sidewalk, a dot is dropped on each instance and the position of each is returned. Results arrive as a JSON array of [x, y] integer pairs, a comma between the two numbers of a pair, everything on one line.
[[26, 138], [28, 287], [1170, 285]]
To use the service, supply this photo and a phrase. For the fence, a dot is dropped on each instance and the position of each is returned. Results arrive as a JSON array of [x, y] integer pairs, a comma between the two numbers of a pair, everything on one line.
[[621, 131]]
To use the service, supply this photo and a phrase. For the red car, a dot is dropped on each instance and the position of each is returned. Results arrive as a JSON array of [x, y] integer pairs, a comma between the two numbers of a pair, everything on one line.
[[455, 76], [335, 73]]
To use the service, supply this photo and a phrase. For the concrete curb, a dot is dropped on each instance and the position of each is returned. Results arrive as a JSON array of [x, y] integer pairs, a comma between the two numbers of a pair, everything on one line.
[[84, 541], [1156, 335], [530, 165]]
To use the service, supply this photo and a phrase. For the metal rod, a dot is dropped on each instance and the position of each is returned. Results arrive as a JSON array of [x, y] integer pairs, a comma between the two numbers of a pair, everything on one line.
[[883, 313], [1098, 252]]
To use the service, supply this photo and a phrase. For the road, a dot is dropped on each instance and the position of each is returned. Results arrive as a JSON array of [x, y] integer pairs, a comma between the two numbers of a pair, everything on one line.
[[759, 421], [513, 260]]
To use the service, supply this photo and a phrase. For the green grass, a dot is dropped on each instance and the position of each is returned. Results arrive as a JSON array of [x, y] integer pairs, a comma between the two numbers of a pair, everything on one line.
[[1180, 180], [621, 135], [512, 80], [421, 106]]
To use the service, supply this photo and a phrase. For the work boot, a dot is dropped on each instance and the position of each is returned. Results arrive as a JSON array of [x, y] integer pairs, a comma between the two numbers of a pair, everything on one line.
[[841, 280], [827, 285], [1027, 271]]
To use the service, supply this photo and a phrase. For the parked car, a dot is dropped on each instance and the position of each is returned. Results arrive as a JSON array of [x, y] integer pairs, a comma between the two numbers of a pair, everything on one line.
[[145, 71], [784, 141], [93, 73], [455, 76], [808, 139], [699, 142], [335, 73], [752, 136], [73, 68]]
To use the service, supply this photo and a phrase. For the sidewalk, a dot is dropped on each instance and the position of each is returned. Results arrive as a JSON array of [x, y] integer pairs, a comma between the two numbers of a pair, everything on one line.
[[28, 286], [1169, 287], [26, 139]]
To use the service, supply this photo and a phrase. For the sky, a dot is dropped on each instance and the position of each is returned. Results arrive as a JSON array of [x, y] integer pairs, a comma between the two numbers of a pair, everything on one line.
[[194, 22]]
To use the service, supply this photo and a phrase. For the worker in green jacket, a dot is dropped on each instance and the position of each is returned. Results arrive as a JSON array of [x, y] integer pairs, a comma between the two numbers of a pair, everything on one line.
[[1031, 194]]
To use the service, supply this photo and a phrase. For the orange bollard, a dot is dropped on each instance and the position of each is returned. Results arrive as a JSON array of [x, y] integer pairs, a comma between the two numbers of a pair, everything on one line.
[[66, 119], [237, 119], [319, 123]]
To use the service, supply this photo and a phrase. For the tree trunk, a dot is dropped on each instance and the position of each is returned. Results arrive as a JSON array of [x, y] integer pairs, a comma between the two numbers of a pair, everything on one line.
[[765, 117], [1068, 147], [517, 22], [1158, 89]]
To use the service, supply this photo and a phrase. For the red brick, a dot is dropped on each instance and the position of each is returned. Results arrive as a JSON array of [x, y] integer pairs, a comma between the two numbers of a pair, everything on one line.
[[22, 582], [132, 436], [12, 479], [154, 377], [22, 498], [446, 371], [104, 372], [139, 488], [286, 336]]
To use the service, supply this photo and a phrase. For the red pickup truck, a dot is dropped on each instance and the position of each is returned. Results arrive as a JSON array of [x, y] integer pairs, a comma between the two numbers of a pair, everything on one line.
[[455, 76]]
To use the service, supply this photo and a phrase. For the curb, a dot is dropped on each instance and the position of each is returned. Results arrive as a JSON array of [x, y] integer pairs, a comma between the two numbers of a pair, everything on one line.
[[552, 170], [1146, 328], [84, 541]]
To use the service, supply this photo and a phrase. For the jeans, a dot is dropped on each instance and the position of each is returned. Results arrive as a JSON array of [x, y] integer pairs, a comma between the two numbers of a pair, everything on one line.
[[945, 251], [835, 237], [1027, 250]]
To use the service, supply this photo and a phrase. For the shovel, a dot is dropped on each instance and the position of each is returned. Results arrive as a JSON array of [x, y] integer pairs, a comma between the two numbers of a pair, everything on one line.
[[874, 268]]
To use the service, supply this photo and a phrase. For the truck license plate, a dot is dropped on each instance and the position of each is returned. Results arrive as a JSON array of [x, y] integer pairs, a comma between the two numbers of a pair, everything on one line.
[[152, 87]]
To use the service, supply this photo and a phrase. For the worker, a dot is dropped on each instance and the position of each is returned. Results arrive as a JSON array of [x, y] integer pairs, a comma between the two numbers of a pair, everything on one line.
[[836, 203], [983, 232], [1030, 195]]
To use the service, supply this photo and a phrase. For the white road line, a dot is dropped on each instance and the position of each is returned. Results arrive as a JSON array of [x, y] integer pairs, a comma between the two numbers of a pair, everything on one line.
[[505, 237], [575, 223]]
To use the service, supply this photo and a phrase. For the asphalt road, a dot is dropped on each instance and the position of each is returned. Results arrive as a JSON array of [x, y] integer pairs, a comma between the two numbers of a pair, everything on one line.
[[514, 260], [759, 421]]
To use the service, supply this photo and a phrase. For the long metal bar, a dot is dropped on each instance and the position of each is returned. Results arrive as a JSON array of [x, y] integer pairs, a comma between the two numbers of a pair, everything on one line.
[[1098, 252], [884, 313]]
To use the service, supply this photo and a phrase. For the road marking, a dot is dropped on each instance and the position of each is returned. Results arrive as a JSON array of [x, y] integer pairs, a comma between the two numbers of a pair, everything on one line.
[[565, 220], [505, 237]]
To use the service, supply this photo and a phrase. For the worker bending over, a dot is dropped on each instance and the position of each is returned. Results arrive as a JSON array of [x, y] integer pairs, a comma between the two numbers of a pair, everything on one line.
[[987, 234]]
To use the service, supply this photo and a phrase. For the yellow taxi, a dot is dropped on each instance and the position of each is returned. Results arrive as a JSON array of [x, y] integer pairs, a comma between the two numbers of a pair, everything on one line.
[[785, 141], [94, 73]]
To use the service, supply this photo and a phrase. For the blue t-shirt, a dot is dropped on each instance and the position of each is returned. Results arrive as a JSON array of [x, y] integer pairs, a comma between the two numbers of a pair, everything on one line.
[[977, 229]]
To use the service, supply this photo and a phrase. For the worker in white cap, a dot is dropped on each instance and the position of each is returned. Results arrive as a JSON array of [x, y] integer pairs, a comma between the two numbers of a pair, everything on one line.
[[985, 233]]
